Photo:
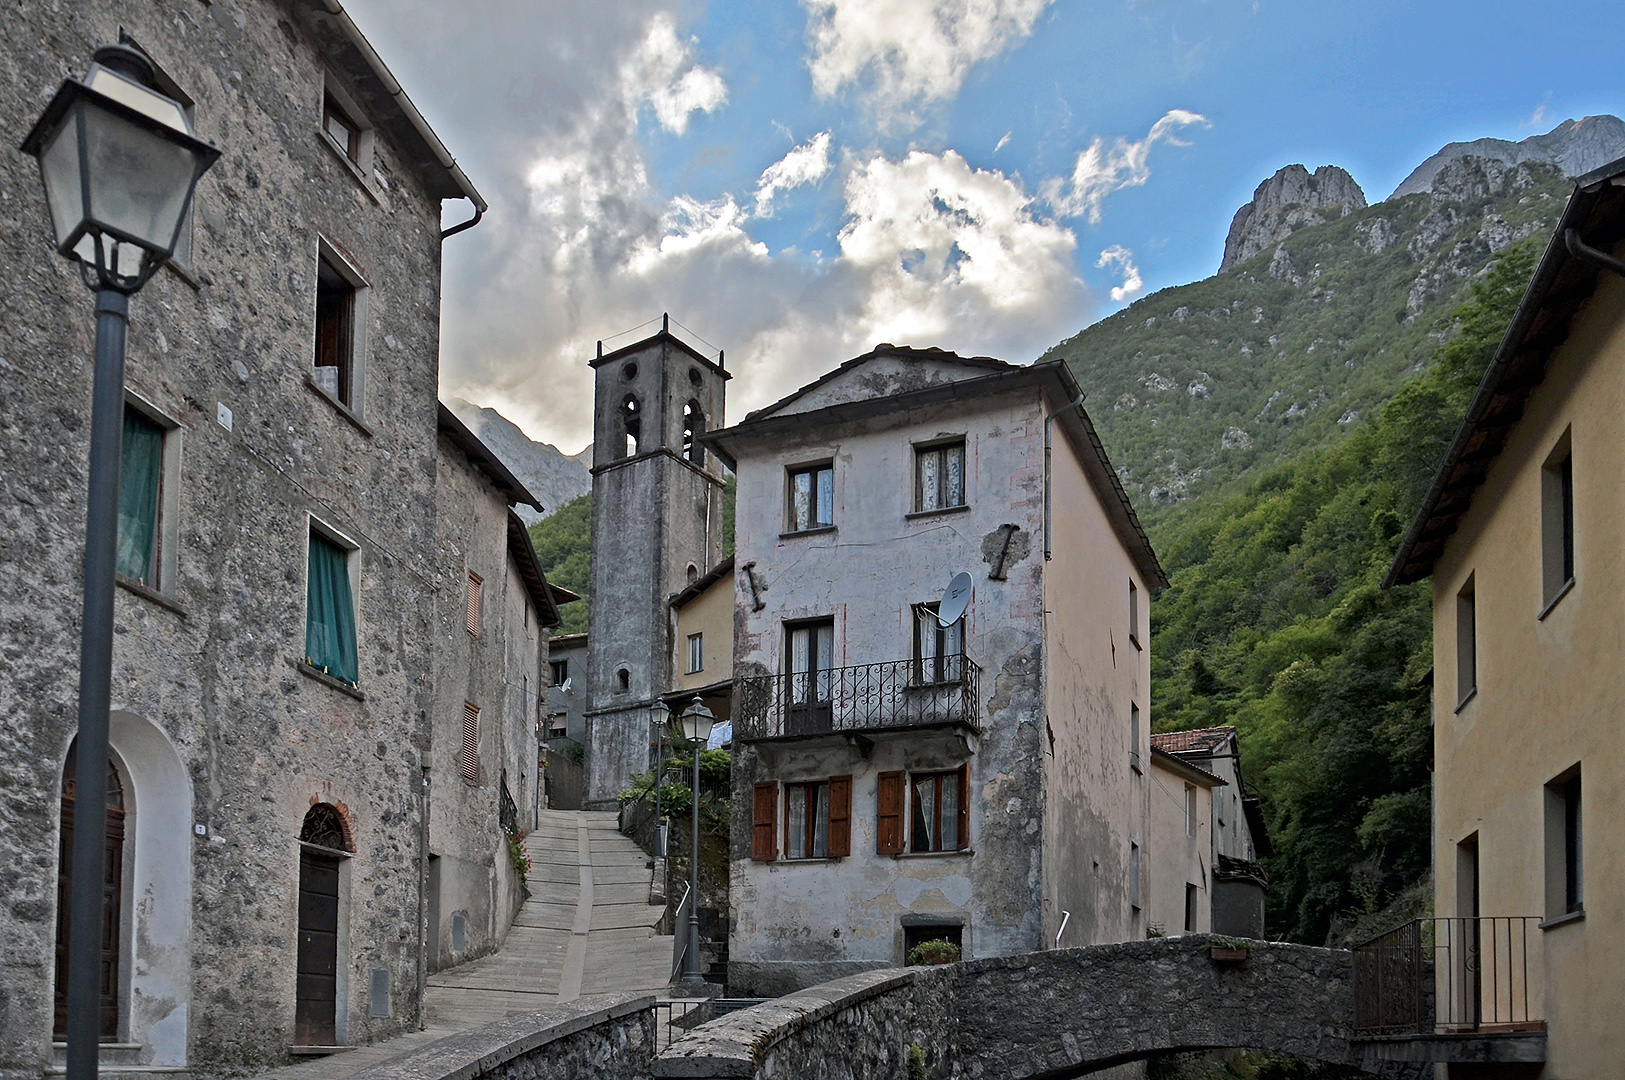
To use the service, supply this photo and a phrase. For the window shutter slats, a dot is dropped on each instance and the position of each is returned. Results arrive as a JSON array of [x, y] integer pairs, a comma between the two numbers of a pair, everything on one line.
[[468, 758], [764, 840], [964, 806], [472, 605], [840, 817], [889, 814]]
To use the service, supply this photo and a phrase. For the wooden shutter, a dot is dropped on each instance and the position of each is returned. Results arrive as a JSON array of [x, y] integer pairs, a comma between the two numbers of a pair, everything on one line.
[[889, 814], [764, 838], [473, 604], [468, 758], [964, 806], [840, 817]]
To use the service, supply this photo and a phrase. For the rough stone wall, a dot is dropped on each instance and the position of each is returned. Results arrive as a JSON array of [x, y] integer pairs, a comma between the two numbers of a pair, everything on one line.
[[205, 672]]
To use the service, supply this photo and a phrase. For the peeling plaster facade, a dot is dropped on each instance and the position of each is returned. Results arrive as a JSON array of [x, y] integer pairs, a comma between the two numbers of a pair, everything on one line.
[[1054, 806]]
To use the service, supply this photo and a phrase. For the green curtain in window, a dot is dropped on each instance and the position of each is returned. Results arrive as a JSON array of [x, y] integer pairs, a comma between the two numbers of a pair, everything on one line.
[[138, 497], [329, 613]]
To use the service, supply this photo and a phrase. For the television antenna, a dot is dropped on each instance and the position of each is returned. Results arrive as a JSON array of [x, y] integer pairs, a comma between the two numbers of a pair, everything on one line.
[[954, 601]]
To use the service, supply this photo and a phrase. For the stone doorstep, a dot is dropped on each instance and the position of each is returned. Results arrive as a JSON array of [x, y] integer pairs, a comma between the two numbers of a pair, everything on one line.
[[312, 1050], [109, 1055]]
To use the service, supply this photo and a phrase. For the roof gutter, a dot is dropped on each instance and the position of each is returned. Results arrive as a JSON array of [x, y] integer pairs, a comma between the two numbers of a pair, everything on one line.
[[394, 89]]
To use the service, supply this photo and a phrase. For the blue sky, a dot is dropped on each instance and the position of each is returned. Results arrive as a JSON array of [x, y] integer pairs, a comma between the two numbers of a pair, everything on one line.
[[934, 182]]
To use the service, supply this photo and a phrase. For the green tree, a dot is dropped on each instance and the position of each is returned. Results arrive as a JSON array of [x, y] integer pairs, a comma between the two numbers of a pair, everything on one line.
[[563, 542]]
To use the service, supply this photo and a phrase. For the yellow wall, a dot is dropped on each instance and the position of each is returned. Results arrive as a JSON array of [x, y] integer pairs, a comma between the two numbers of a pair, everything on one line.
[[1551, 692], [712, 614]]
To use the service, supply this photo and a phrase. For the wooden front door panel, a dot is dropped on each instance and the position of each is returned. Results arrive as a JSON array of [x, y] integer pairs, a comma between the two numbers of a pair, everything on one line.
[[316, 995], [112, 905]]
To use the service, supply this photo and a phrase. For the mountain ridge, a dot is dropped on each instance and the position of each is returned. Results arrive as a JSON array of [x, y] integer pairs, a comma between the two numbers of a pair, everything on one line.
[[554, 477]]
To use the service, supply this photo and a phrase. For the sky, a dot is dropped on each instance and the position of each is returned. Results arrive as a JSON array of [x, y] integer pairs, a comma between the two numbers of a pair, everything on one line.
[[795, 181]]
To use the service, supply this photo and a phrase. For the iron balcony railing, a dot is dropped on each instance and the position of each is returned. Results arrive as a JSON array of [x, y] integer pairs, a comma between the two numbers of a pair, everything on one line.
[[933, 692], [1447, 977]]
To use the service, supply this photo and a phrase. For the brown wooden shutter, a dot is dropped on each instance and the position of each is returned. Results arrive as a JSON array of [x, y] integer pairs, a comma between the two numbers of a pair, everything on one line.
[[473, 604], [764, 838], [840, 817], [964, 806], [889, 814], [468, 758]]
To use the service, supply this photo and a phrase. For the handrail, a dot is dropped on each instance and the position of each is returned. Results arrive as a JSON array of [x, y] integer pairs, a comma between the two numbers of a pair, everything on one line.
[[1448, 976], [680, 934], [937, 691]]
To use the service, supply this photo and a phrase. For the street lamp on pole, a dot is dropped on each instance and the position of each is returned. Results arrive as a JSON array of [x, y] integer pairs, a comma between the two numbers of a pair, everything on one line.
[[119, 162], [659, 720], [696, 722]]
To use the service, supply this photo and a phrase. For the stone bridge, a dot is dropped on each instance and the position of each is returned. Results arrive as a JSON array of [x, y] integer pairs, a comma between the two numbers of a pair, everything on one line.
[[1035, 1016]]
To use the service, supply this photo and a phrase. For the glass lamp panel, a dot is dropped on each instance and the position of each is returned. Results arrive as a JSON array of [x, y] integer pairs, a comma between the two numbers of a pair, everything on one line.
[[146, 101], [59, 169], [139, 181]]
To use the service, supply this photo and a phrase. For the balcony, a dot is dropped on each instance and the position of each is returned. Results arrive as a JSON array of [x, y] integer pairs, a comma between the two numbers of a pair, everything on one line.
[[902, 695], [1450, 990]]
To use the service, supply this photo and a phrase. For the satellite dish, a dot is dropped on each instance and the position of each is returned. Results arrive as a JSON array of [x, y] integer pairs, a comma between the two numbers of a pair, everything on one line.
[[564, 687], [954, 601]]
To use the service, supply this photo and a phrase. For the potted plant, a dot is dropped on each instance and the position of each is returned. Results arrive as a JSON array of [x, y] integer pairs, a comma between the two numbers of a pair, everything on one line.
[[933, 952], [1228, 950]]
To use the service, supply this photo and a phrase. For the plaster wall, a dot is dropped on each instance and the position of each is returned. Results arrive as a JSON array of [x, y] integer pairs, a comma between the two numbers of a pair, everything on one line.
[[712, 614], [867, 574], [1098, 797], [1175, 856], [209, 663], [571, 702], [1550, 692]]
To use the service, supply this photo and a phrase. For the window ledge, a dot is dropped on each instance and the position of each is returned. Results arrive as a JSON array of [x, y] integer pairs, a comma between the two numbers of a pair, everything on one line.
[[1134, 640], [1462, 704], [187, 274], [1568, 587], [1564, 920], [960, 509], [787, 861], [147, 592], [806, 532], [355, 169], [344, 410], [954, 854], [1134, 763], [327, 680]]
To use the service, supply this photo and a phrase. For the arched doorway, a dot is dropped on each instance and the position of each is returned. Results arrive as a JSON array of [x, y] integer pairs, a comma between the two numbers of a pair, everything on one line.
[[322, 844], [112, 897]]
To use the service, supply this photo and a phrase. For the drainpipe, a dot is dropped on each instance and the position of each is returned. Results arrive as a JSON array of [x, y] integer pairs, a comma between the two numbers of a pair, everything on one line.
[[1585, 253], [423, 887], [1078, 404]]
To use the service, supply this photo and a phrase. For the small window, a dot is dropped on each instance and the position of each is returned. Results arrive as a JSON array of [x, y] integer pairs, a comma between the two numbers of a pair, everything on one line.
[[1466, 643], [806, 820], [812, 498], [631, 426], [938, 811], [939, 476], [1134, 615], [141, 499], [1190, 809], [623, 680], [693, 428], [1565, 864], [1557, 521], [340, 322], [560, 670], [471, 604], [345, 132], [1134, 737], [1134, 876], [330, 630], [1191, 897], [468, 757], [939, 651], [696, 653]]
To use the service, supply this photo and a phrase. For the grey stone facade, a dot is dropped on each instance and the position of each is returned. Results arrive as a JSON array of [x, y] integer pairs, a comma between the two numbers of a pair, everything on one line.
[[222, 740], [656, 526]]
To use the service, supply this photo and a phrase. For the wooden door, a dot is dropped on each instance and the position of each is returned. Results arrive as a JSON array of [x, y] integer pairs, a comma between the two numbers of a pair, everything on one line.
[[316, 995], [112, 901]]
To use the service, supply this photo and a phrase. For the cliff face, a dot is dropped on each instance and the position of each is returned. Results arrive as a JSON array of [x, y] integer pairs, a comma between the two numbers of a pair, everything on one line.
[[1575, 146], [1288, 201], [553, 476]]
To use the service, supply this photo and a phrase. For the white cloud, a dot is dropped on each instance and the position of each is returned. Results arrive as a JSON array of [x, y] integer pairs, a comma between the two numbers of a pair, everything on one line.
[[1121, 257], [1001, 143], [806, 164], [660, 71], [908, 52], [1101, 170]]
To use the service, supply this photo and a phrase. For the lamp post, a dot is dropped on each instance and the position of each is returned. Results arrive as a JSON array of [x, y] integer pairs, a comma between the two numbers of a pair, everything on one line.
[[696, 722], [119, 162], [659, 719]]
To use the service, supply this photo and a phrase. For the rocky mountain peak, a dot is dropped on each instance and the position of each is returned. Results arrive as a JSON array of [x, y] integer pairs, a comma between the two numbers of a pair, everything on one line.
[[552, 475], [1290, 200], [1575, 146]]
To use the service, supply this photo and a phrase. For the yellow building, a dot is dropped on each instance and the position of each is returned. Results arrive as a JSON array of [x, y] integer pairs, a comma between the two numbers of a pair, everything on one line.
[[703, 643], [1521, 536]]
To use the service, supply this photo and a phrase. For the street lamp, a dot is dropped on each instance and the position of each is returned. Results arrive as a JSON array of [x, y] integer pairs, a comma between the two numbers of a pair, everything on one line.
[[696, 722], [659, 718], [119, 162]]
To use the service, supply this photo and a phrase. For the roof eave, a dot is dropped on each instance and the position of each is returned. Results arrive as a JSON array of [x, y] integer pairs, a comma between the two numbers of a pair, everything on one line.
[[485, 459]]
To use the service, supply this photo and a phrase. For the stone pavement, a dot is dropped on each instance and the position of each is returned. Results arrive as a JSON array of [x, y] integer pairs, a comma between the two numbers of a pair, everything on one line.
[[588, 928]]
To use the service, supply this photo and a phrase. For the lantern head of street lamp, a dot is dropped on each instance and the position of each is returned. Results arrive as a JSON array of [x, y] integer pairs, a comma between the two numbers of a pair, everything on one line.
[[659, 716], [697, 722], [119, 162]]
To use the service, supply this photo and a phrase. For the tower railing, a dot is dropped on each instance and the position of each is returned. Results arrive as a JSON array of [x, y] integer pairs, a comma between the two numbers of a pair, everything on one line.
[[900, 694]]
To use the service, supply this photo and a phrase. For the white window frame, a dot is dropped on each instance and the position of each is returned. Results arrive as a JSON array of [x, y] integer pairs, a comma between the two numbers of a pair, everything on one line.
[[334, 256], [696, 653]]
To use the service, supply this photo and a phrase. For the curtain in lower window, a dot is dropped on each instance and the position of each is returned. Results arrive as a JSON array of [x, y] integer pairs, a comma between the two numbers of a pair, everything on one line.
[[330, 612], [143, 453]]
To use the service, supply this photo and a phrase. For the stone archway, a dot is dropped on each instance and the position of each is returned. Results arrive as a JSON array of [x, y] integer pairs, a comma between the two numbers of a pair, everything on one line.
[[323, 843]]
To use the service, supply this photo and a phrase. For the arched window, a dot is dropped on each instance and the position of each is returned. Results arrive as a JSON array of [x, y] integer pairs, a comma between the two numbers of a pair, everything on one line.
[[631, 426], [693, 428], [325, 828]]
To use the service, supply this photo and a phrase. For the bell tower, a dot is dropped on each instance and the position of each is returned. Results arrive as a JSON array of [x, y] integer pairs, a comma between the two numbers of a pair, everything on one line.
[[656, 513]]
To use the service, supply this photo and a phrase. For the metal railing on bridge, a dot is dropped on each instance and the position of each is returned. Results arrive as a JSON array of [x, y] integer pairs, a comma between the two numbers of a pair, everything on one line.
[[940, 691], [1449, 976]]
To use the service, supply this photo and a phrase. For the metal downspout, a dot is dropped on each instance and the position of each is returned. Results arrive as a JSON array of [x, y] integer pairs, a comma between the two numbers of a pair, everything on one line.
[[1585, 253]]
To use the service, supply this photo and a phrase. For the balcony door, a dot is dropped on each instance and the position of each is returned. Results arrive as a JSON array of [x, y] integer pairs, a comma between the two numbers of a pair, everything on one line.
[[939, 651], [810, 650]]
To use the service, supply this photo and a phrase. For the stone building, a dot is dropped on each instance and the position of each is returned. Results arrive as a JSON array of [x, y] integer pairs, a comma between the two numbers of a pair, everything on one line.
[[285, 583], [1520, 536], [656, 528], [897, 780]]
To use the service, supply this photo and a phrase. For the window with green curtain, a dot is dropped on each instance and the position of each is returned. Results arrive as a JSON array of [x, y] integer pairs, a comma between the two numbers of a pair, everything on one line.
[[329, 612], [141, 468]]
